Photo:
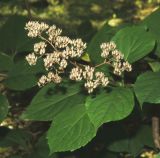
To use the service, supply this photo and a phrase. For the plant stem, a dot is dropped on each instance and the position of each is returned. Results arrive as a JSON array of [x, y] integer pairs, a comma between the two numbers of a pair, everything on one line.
[[155, 131]]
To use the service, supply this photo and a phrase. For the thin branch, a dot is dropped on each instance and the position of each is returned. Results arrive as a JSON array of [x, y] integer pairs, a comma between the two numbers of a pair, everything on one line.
[[47, 41], [105, 62]]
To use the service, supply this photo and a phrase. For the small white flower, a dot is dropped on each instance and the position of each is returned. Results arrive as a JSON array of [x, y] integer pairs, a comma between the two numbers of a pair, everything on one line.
[[35, 28], [76, 74], [31, 59], [39, 48]]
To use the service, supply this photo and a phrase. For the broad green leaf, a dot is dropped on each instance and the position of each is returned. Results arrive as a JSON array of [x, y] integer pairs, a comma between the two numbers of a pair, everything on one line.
[[70, 130], [4, 105], [134, 42], [152, 22], [112, 106], [50, 101], [147, 87], [6, 62], [22, 76], [13, 37]]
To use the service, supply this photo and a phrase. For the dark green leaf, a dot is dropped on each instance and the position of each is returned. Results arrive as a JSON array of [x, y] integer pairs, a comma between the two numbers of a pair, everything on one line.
[[130, 142], [6, 62], [16, 137], [41, 149], [13, 37], [22, 76]]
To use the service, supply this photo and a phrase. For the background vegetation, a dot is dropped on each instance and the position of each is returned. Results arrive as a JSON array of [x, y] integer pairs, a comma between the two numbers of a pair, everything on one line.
[[94, 21]]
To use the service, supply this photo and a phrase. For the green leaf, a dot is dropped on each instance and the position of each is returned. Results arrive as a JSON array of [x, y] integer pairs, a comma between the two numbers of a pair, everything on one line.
[[129, 141], [22, 76], [70, 130], [6, 62], [4, 105], [52, 100], [13, 37], [154, 29], [155, 65], [147, 87], [16, 137], [134, 43], [112, 106], [41, 149]]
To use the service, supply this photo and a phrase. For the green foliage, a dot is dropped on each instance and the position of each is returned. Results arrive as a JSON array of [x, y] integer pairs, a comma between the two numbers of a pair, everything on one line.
[[67, 117], [51, 101], [101, 108], [134, 42], [13, 37], [21, 76], [129, 142], [103, 35], [147, 87], [6, 62], [70, 130]]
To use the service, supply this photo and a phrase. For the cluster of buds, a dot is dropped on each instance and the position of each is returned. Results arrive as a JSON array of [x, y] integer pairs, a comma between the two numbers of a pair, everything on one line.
[[115, 58], [92, 79], [64, 51]]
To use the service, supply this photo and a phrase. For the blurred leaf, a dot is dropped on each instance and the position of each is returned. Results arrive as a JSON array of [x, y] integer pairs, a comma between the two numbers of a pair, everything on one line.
[[51, 101], [70, 130], [152, 22], [105, 108], [126, 141], [41, 149], [147, 87], [16, 137], [4, 105], [13, 37], [134, 43], [22, 76], [6, 62], [157, 156]]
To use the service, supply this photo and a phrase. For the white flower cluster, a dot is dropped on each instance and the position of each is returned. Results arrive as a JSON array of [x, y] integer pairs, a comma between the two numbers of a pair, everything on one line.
[[63, 51], [93, 79], [51, 77], [35, 28], [115, 58]]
